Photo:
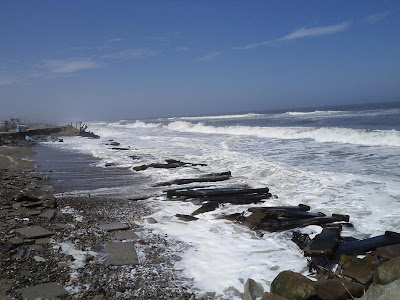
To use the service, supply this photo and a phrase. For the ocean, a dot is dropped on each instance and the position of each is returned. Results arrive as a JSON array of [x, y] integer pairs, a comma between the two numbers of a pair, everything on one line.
[[343, 159]]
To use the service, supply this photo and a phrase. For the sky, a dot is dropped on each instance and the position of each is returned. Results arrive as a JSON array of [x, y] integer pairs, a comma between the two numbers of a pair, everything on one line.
[[63, 61]]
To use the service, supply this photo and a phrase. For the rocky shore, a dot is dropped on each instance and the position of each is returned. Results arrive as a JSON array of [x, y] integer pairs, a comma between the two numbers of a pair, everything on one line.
[[94, 247], [76, 248]]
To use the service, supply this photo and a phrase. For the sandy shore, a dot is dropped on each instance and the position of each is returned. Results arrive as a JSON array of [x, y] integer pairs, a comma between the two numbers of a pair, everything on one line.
[[73, 251]]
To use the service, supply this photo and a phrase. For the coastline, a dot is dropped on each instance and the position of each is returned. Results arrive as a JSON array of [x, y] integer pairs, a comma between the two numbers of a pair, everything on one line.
[[77, 251], [70, 260]]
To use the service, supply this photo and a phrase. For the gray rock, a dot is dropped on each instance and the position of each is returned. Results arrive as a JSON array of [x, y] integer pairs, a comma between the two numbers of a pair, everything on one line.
[[6, 284], [112, 226], [383, 292], [35, 247], [119, 254], [388, 271], [34, 232], [335, 289], [48, 214], [39, 258], [126, 235], [49, 290], [292, 286], [361, 270], [42, 241], [252, 290], [151, 220], [16, 241]]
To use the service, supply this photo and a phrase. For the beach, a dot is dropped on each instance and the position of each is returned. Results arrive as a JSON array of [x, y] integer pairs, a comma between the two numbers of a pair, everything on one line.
[[214, 207]]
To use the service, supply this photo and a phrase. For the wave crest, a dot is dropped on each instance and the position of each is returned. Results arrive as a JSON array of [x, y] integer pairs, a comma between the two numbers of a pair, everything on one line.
[[329, 134]]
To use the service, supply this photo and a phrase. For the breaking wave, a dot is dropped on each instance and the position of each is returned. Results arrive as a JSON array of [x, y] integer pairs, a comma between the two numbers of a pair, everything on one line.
[[326, 134], [317, 112], [249, 115]]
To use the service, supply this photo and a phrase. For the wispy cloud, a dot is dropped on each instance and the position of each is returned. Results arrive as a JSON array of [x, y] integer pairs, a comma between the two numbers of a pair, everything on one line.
[[210, 56], [137, 53], [68, 65], [375, 18], [7, 80], [301, 33]]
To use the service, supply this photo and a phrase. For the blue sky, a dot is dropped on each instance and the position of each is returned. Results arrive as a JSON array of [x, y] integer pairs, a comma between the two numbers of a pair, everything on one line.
[[108, 60]]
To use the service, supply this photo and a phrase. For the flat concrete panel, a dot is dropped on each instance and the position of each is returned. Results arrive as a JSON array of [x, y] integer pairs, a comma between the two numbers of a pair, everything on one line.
[[119, 254]]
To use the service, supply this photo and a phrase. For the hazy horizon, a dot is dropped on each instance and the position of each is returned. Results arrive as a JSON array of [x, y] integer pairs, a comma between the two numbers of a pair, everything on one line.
[[98, 60]]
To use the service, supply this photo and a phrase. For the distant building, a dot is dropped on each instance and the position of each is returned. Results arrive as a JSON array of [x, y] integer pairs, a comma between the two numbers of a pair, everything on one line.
[[21, 127]]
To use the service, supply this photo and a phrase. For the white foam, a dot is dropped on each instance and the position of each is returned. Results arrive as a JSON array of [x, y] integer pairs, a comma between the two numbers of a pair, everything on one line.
[[328, 134], [242, 116]]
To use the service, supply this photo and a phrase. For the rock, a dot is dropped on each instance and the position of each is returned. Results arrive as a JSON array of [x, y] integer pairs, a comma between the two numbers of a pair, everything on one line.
[[6, 284], [388, 271], [333, 289], [252, 290], [119, 254], [109, 164], [324, 243], [35, 247], [271, 296], [16, 241], [19, 254], [48, 214], [126, 235], [27, 198], [186, 218], [42, 241], [62, 264], [49, 201], [34, 232], [39, 258], [389, 291], [361, 270], [292, 286], [151, 220], [388, 252], [112, 226], [49, 290]]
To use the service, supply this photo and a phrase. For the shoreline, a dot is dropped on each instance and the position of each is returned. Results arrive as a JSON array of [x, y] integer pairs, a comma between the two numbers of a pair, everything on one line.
[[78, 251], [72, 259]]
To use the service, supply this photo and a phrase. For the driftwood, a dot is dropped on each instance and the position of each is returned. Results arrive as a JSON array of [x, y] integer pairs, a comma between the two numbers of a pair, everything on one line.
[[300, 207], [209, 206], [186, 218], [363, 246], [212, 177], [292, 214], [202, 193], [170, 164], [284, 224]]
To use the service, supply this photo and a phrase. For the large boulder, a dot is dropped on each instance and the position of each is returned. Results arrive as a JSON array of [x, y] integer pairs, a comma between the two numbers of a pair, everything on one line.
[[388, 271], [338, 289], [383, 292], [252, 290], [271, 296], [292, 286], [361, 270]]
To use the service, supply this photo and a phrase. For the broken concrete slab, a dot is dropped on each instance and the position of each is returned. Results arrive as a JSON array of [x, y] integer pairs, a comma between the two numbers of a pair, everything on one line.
[[48, 214], [324, 243], [43, 241], [6, 284], [16, 241], [49, 290], [112, 226], [34, 232], [120, 253], [126, 235]]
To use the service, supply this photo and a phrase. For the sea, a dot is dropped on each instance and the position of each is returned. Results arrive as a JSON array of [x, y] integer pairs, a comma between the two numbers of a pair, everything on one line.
[[339, 159]]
